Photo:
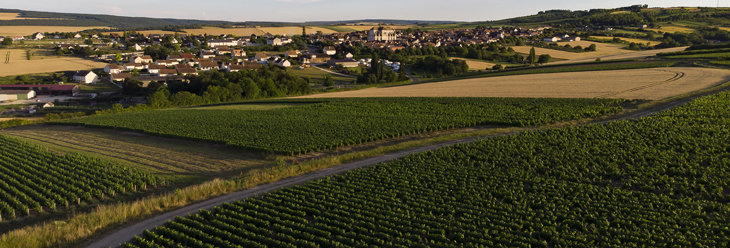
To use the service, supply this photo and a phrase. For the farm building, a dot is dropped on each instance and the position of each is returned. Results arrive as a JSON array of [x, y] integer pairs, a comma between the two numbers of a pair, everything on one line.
[[12, 95], [343, 62], [86, 77], [41, 89], [120, 76], [49, 105]]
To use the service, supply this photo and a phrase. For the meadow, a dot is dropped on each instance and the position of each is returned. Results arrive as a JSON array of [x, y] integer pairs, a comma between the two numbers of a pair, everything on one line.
[[325, 124], [657, 181]]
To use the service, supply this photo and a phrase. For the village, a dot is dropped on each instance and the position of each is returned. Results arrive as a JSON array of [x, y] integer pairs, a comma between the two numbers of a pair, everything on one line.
[[227, 53]]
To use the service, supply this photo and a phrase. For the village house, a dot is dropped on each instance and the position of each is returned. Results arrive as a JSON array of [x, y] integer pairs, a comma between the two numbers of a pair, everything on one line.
[[222, 50], [281, 62], [343, 63], [317, 58], [349, 56], [38, 36], [186, 71], [167, 62], [120, 76], [167, 72], [133, 66], [141, 59], [77, 36], [155, 69], [292, 53], [113, 69], [86, 77], [177, 58], [329, 50], [207, 65], [206, 55], [225, 42]]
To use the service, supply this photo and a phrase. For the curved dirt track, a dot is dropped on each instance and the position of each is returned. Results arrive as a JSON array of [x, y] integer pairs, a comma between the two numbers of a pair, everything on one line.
[[127, 233], [648, 84]]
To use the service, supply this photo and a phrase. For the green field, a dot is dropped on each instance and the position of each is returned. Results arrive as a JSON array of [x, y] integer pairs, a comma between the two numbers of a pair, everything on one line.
[[325, 124], [659, 181], [256, 106], [701, 56], [32, 178], [317, 75]]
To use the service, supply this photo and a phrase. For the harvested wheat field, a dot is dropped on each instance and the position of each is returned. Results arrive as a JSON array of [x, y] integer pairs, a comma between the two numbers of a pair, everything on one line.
[[630, 55], [648, 84], [289, 31], [368, 27], [233, 31], [9, 16], [602, 49], [19, 64], [626, 39], [29, 30], [475, 65]]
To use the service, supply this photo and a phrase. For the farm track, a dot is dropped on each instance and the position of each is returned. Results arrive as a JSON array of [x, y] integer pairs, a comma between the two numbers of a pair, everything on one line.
[[677, 76], [128, 232], [162, 159]]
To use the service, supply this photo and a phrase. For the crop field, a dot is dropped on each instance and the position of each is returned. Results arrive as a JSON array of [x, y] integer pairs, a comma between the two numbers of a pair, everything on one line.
[[317, 76], [29, 30], [160, 156], [627, 39], [649, 84], [672, 29], [19, 64], [602, 49], [700, 56], [233, 31], [368, 27], [475, 65], [328, 124], [290, 31], [658, 181], [38, 180]]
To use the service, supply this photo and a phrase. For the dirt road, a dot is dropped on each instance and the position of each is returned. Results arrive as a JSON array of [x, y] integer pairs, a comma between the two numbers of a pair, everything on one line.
[[127, 233]]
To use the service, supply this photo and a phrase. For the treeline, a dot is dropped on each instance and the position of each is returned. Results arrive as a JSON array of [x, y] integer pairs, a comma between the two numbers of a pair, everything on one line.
[[566, 47], [216, 87], [441, 65], [69, 19]]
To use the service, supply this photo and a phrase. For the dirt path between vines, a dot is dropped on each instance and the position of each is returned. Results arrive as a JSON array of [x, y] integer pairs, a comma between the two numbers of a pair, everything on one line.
[[126, 233]]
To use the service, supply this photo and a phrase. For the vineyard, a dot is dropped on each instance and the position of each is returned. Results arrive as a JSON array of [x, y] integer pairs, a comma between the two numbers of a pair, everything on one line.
[[34, 180], [659, 181], [326, 124]]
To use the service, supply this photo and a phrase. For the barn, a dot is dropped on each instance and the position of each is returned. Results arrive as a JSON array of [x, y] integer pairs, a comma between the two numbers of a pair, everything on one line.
[[42, 89], [12, 95]]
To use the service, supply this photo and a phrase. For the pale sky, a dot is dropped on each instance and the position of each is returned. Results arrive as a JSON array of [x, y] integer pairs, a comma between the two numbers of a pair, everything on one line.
[[333, 10]]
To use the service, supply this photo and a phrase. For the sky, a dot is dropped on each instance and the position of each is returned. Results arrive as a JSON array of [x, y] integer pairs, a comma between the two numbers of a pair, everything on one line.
[[333, 10]]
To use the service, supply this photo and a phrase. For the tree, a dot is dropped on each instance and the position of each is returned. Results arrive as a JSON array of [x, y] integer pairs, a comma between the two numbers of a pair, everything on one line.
[[328, 81], [131, 87], [591, 48], [159, 99], [496, 67], [532, 58], [7, 41], [545, 58], [118, 57], [89, 42]]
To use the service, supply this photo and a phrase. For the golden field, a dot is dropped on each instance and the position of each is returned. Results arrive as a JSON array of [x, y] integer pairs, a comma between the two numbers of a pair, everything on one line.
[[29, 30], [19, 64], [294, 30], [602, 49], [368, 27], [233, 31], [475, 65], [672, 29], [649, 84], [627, 39]]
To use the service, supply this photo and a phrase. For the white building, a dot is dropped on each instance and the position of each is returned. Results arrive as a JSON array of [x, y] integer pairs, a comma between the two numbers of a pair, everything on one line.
[[86, 77], [113, 69]]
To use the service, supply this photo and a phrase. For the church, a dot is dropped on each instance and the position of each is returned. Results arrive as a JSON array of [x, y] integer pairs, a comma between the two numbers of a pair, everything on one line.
[[381, 34]]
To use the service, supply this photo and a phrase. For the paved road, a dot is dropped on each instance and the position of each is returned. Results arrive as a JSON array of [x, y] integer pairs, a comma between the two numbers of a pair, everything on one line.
[[127, 233], [409, 75]]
